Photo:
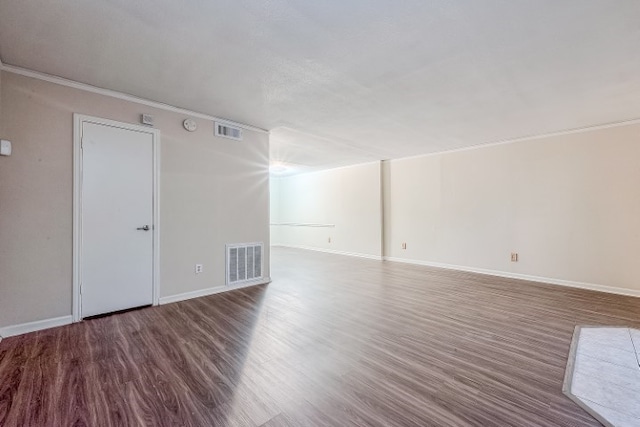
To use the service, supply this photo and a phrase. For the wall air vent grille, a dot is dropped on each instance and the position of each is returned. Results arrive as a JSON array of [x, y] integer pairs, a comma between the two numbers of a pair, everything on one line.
[[227, 131], [244, 262]]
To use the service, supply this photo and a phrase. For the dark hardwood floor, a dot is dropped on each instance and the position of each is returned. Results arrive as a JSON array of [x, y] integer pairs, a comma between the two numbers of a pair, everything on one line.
[[333, 341]]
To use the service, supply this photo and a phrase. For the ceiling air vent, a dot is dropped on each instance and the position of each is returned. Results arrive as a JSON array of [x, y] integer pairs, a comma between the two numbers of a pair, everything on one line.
[[244, 262], [227, 131]]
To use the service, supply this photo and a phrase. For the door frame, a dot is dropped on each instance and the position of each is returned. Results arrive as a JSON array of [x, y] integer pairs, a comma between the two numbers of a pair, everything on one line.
[[78, 120]]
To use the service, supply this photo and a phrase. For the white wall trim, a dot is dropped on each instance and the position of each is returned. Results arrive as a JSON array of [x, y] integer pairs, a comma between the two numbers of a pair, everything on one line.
[[78, 120], [526, 138], [38, 325], [509, 275], [211, 291], [331, 251], [119, 95], [162, 106]]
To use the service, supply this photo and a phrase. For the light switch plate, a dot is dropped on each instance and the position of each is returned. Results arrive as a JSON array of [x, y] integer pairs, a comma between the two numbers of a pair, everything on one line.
[[5, 148]]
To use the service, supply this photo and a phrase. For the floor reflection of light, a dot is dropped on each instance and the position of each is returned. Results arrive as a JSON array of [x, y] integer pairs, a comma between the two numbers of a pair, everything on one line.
[[274, 338], [244, 392]]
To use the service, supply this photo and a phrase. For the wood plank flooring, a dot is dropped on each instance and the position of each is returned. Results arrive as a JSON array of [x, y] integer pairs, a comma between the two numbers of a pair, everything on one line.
[[333, 341]]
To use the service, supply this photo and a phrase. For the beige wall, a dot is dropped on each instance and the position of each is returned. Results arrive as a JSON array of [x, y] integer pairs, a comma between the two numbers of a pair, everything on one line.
[[569, 205], [213, 191], [348, 197]]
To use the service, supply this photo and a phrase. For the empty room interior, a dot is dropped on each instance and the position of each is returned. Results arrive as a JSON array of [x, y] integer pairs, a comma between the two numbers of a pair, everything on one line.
[[297, 213]]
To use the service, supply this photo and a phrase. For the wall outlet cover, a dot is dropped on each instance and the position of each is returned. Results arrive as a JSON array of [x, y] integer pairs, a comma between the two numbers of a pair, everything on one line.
[[5, 148]]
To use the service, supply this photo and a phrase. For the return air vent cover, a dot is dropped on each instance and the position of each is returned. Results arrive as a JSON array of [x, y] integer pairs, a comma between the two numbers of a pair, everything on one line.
[[227, 131], [244, 262]]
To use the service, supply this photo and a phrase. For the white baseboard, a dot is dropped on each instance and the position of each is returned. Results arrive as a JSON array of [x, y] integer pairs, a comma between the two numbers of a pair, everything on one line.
[[38, 325], [210, 291], [331, 251], [548, 280]]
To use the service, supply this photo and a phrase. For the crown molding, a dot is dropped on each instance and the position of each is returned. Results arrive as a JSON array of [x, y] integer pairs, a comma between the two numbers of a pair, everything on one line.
[[524, 138], [120, 95], [131, 98]]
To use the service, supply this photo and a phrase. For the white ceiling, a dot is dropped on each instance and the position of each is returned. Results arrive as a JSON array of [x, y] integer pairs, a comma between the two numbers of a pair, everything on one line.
[[342, 82]]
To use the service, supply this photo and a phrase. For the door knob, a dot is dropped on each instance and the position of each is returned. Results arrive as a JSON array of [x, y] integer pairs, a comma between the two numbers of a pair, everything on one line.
[[145, 228]]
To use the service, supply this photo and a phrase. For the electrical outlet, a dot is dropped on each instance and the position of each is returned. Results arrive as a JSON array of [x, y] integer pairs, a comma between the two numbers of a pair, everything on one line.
[[5, 148], [514, 257], [198, 268], [329, 239], [404, 246]]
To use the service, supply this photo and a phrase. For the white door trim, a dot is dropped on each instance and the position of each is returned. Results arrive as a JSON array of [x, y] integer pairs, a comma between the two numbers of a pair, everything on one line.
[[78, 120]]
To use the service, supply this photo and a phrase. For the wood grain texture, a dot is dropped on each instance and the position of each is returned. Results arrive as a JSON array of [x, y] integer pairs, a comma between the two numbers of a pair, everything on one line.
[[333, 341]]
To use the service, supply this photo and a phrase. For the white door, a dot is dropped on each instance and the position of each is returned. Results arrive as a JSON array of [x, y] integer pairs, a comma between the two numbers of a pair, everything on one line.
[[116, 219]]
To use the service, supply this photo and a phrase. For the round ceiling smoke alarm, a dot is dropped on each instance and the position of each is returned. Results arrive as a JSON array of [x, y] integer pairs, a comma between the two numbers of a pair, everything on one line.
[[190, 125]]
